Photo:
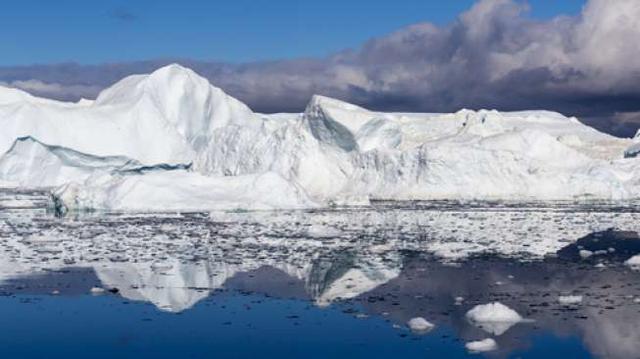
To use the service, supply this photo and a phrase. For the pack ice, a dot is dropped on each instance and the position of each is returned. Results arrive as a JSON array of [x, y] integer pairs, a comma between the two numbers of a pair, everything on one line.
[[172, 141]]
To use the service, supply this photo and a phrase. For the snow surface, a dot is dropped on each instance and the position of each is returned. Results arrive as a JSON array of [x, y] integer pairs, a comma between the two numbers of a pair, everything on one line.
[[333, 153], [482, 346]]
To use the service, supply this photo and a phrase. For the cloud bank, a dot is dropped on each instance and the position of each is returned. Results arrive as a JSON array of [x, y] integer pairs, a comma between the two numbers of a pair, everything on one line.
[[493, 56]]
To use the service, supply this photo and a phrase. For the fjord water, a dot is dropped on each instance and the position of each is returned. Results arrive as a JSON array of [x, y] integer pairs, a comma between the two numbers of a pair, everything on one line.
[[322, 283]]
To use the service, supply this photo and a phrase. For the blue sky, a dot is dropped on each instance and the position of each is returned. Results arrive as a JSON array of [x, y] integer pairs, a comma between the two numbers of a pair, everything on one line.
[[45, 31]]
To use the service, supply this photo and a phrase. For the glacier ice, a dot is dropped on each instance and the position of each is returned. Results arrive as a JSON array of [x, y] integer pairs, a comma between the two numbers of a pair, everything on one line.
[[180, 190], [31, 163], [172, 141]]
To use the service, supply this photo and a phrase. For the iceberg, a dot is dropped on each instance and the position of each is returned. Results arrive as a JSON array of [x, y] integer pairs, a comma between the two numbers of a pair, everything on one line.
[[494, 318], [570, 299], [170, 140], [481, 346], [420, 325]]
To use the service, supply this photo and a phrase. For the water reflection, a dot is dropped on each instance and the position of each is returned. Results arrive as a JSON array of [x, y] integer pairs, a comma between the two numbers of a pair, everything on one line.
[[399, 263]]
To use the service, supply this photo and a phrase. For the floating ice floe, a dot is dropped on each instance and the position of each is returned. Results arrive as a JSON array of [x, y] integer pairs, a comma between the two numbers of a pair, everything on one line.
[[494, 318], [584, 254], [482, 346], [97, 290], [420, 325], [570, 299]]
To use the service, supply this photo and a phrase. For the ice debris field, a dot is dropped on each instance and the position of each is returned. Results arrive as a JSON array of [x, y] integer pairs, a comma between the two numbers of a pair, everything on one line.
[[171, 141]]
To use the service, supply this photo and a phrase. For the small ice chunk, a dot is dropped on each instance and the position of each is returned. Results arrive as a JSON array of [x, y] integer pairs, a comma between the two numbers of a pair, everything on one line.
[[570, 299], [482, 346], [493, 312], [320, 231], [420, 325], [494, 318], [97, 290], [584, 254]]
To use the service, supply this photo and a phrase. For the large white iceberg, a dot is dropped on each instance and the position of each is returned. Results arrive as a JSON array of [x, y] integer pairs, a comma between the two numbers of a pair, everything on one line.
[[170, 140]]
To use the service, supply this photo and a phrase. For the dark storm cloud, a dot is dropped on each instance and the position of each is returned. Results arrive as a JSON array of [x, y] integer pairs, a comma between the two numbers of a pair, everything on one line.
[[492, 56]]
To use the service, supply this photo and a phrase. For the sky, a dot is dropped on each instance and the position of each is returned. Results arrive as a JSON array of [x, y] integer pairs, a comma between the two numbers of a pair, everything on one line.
[[577, 57], [89, 32]]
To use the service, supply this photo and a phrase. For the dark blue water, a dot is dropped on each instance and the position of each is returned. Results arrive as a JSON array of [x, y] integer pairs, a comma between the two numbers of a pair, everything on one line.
[[266, 312], [228, 325]]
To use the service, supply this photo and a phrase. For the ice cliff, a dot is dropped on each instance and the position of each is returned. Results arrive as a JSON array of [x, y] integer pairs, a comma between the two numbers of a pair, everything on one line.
[[172, 141]]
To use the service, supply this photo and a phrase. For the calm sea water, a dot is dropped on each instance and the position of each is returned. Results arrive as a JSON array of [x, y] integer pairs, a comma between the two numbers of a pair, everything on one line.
[[338, 283]]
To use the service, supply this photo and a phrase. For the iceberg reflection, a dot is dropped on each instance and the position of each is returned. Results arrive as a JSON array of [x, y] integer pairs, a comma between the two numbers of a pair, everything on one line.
[[435, 261]]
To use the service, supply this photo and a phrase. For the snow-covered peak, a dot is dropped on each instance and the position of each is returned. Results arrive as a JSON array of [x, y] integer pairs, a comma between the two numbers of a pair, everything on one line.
[[160, 82], [184, 99]]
